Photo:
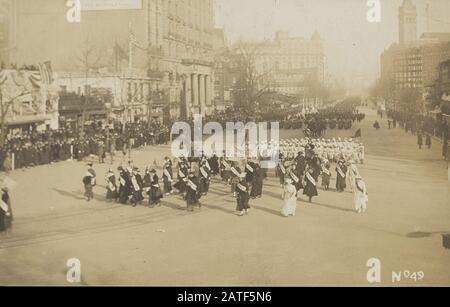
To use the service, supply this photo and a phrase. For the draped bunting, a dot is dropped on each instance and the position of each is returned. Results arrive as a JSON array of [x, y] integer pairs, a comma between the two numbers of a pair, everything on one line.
[[20, 78]]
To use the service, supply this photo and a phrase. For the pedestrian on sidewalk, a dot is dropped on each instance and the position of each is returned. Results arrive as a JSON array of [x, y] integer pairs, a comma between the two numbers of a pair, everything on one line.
[[428, 140], [420, 139]]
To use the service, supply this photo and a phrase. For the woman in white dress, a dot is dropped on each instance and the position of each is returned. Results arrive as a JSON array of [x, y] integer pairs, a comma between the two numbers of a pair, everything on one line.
[[290, 199], [361, 195]]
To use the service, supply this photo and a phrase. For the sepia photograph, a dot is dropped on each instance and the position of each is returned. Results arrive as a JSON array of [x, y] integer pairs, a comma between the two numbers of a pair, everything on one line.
[[225, 143]]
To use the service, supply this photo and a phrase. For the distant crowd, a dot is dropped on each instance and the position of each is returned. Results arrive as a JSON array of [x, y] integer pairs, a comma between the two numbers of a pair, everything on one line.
[[424, 127], [35, 148]]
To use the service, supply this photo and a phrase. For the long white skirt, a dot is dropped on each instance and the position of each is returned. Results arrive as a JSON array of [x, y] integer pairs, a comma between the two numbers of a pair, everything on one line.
[[290, 206], [361, 200]]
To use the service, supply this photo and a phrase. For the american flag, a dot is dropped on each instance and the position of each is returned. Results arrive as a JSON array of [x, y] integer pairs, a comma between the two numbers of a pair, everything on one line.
[[46, 72]]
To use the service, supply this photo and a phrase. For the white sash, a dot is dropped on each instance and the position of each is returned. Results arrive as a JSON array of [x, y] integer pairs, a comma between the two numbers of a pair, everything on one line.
[[192, 185], [283, 170], [111, 186], [207, 164], [361, 189], [311, 179], [249, 168], [325, 171], [181, 175], [167, 174], [225, 163], [204, 173], [340, 172], [294, 177], [135, 184], [241, 187], [234, 171], [3, 206], [122, 181]]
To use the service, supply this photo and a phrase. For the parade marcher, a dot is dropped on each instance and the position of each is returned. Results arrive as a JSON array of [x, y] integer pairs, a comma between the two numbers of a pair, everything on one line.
[[183, 171], [155, 193], [326, 175], [420, 139], [192, 191], [341, 171], [281, 171], [352, 173], [292, 174], [136, 186], [310, 189], [214, 163], [225, 169], [89, 183], [290, 199], [167, 176], [361, 195], [243, 196], [235, 177], [204, 179], [258, 182], [6, 215], [111, 187], [124, 186]]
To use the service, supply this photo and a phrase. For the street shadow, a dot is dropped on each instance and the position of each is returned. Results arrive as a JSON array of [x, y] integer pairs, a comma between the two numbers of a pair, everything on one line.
[[424, 234], [215, 191], [172, 206], [74, 195], [218, 208], [332, 207], [272, 194], [267, 210]]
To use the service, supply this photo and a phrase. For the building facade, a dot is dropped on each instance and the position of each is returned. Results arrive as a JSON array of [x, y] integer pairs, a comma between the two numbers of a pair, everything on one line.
[[407, 18], [166, 42], [28, 101], [413, 63], [293, 63]]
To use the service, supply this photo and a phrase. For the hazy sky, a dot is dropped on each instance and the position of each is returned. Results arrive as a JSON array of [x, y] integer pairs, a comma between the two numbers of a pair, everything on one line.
[[352, 44]]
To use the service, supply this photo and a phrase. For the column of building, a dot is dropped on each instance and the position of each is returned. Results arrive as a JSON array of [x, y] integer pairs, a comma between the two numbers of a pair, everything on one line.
[[198, 93]]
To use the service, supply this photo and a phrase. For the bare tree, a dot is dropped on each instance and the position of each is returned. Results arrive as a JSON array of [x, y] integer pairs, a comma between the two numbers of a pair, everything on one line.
[[87, 60], [251, 83]]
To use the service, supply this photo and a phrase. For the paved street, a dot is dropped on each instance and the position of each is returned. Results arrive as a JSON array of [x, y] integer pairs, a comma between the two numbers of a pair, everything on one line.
[[325, 244]]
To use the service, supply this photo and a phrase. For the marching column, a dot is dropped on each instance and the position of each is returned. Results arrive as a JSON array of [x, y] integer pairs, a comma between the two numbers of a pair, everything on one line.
[[188, 96]]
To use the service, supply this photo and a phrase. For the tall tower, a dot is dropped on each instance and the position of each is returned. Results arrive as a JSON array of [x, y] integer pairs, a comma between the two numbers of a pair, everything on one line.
[[407, 23]]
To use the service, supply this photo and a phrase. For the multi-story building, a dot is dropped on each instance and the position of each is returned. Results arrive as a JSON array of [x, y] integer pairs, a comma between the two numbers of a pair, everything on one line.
[[414, 63], [156, 44], [443, 84], [407, 19], [291, 62]]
